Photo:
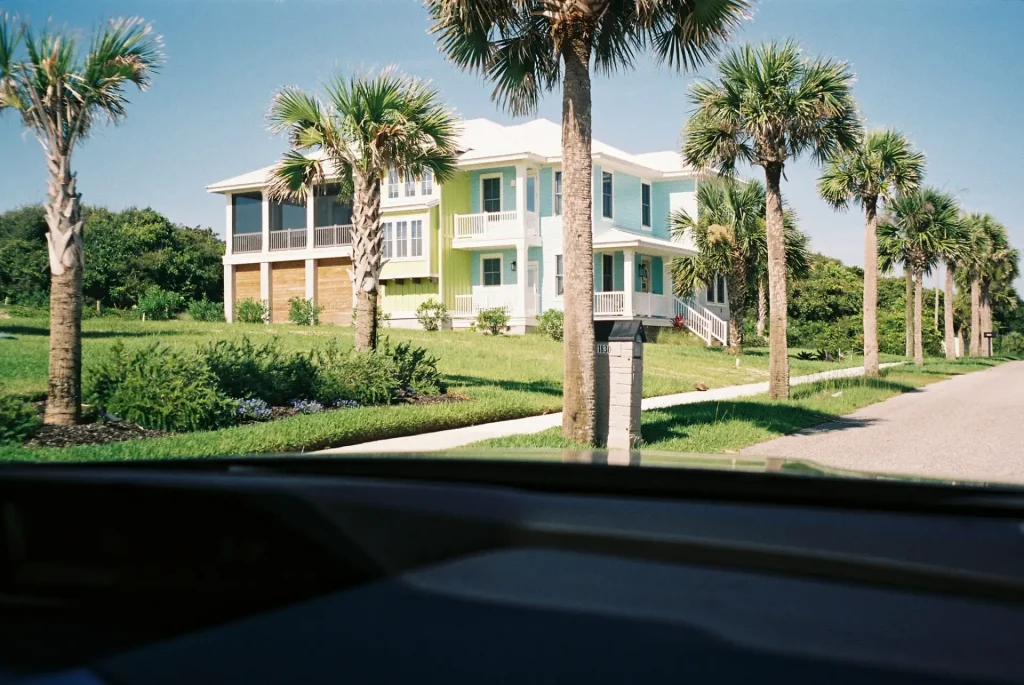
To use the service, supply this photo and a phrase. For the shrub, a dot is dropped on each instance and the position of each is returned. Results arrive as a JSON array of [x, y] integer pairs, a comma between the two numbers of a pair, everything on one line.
[[18, 420], [245, 370], [362, 377], [432, 315], [158, 304], [552, 323], [1012, 344], [160, 388], [204, 310], [251, 311], [679, 321], [306, 406], [304, 312], [415, 368], [253, 409], [494, 320]]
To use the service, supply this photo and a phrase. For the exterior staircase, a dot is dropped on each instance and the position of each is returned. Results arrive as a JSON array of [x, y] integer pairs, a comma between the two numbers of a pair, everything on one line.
[[702, 322]]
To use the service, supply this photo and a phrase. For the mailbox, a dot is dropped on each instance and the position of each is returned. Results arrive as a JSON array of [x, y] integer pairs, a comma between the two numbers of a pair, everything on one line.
[[619, 382]]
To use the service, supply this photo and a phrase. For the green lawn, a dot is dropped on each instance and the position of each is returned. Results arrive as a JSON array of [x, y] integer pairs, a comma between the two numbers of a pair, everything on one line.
[[735, 424], [504, 377]]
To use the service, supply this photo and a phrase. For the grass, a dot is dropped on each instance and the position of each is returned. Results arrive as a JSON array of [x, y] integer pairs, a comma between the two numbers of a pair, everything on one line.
[[727, 426], [505, 377]]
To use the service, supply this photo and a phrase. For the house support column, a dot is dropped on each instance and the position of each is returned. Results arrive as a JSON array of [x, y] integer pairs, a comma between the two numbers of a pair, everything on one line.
[[522, 260], [628, 282], [229, 293], [311, 280], [265, 287], [229, 226], [310, 219], [266, 223]]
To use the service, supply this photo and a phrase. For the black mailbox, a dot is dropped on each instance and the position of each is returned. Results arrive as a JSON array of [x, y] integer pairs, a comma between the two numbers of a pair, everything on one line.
[[626, 331]]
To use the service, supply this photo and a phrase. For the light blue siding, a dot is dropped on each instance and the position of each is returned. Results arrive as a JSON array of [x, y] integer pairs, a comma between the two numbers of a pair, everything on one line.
[[626, 201], [508, 191], [660, 192], [547, 191], [508, 277], [620, 268]]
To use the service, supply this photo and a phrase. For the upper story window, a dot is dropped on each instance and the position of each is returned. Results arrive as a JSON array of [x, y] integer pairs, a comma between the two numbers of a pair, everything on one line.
[[410, 185], [329, 209], [606, 195], [645, 205], [416, 238], [490, 269], [246, 213], [559, 276], [401, 239], [392, 183], [716, 290], [427, 182], [491, 193], [558, 193], [287, 215]]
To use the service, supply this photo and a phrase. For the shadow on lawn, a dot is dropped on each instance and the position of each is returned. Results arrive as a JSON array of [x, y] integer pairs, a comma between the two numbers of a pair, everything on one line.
[[553, 388], [43, 331]]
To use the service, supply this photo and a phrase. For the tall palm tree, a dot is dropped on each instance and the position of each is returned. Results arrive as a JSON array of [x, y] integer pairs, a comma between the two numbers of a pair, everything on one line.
[[893, 253], [529, 46], [979, 228], [770, 104], [999, 268], [729, 233], [954, 251], [882, 166], [366, 126], [61, 93]]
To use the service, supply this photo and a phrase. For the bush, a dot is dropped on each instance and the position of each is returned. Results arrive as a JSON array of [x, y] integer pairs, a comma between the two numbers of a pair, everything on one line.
[[18, 420], [251, 311], [253, 409], [1012, 344], [304, 312], [493, 321], [204, 310], [362, 377], [160, 388], [552, 324], [245, 370], [415, 368], [432, 315], [157, 304]]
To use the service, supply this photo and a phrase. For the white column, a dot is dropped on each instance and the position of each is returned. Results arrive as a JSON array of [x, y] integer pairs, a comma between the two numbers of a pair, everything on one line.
[[229, 223], [522, 257], [265, 283], [310, 224], [668, 290], [521, 195], [311, 279], [266, 223], [229, 293], [628, 282]]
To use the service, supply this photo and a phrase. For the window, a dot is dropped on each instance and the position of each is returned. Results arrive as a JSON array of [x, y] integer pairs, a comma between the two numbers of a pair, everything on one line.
[[329, 207], [607, 273], [401, 239], [388, 239], [427, 182], [646, 265], [392, 183], [410, 185], [559, 276], [416, 239], [606, 195], [718, 283], [490, 267], [721, 289], [531, 191], [645, 204], [491, 194], [246, 213], [287, 215], [558, 193]]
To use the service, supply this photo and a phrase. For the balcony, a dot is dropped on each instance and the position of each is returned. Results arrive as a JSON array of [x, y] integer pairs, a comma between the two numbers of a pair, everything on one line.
[[332, 236], [612, 304], [504, 297], [247, 242], [292, 239], [494, 228]]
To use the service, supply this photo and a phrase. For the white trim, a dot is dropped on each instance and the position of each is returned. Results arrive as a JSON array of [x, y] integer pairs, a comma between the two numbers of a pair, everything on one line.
[[424, 235], [610, 219], [501, 270], [501, 190]]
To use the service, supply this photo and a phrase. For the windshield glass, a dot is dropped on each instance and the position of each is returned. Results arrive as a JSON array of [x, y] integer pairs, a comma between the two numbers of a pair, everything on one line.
[[777, 236]]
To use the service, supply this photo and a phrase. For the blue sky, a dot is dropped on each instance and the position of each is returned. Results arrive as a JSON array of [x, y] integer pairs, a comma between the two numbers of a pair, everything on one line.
[[948, 73]]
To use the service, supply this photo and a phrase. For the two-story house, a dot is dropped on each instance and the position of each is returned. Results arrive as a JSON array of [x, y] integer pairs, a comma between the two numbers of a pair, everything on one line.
[[489, 237]]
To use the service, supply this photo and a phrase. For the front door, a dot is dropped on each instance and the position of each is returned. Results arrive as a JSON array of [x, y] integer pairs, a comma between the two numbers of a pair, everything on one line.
[[532, 287]]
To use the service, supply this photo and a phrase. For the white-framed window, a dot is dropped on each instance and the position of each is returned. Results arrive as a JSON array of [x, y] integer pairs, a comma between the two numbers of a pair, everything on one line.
[[401, 239], [607, 273], [490, 193], [558, 193], [427, 182], [416, 238], [410, 185], [716, 290], [645, 205], [392, 183], [490, 270], [606, 194], [559, 276], [387, 229]]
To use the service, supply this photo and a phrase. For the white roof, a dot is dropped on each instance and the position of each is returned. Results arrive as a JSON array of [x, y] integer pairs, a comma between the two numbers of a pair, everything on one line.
[[484, 141], [617, 238]]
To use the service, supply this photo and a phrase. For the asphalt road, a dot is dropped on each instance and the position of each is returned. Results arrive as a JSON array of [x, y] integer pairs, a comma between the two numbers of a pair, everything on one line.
[[969, 427]]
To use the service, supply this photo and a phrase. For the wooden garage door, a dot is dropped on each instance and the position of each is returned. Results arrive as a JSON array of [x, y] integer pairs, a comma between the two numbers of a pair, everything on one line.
[[334, 290], [287, 280], [247, 282]]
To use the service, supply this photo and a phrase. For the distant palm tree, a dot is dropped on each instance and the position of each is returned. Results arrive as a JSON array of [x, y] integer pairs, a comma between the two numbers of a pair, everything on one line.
[[998, 269], [527, 47], [367, 126], [61, 94], [882, 166], [770, 104], [729, 233], [893, 253]]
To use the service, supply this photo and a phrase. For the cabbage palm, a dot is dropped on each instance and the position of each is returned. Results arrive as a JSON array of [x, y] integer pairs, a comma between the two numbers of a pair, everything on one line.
[[998, 269], [893, 253], [882, 166], [61, 94], [366, 126], [770, 104], [527, 47]]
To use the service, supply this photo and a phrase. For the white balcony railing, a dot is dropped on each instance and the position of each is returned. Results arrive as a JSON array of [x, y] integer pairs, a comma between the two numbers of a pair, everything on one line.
[[290, 239], [504, 297], [609, 303], [247, 242], [332, 236], [491, 225], [613, 303]]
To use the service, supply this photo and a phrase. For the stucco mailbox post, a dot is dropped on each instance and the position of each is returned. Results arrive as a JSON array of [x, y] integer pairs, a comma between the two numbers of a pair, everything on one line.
[[619, 383]]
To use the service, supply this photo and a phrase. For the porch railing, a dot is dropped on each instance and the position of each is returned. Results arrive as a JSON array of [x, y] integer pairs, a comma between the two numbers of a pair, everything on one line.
[[609, 303], [651, 304], [495, 225], [289, 239], [704, 323], [503, 298], [247, 242], [332, 236]]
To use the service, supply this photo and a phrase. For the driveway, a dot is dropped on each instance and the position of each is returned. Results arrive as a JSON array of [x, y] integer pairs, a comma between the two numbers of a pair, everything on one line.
[[969, 427]]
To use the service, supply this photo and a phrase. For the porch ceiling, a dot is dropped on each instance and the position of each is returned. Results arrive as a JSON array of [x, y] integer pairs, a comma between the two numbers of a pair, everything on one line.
[[617, 239]]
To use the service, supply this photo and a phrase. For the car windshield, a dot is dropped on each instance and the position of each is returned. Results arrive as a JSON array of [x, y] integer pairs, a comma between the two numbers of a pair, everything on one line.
[[767, 235]]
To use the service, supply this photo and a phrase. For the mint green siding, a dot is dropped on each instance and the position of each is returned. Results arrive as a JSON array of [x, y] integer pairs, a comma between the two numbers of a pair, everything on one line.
[[660, 192], [626, 201], [508, 192], [508, 276], [658, 277], [620, 268]]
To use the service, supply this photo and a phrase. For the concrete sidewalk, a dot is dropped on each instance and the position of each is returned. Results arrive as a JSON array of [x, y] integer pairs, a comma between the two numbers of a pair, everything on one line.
[[457, 437]]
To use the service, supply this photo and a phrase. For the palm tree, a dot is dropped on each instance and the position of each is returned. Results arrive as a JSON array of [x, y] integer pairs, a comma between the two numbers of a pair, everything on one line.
[[882, 166], [954, 251], [768, 105], [893, 252], [729, 233], [528, 46], [366, 126], [61, 93], [998, 270]]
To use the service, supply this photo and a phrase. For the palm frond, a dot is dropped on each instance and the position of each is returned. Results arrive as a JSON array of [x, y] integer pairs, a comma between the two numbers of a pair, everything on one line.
[[295, 176]]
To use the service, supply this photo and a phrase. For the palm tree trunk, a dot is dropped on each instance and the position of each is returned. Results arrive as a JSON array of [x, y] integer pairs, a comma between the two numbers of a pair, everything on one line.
[[936, 320], [367, 246], [960, 341], [909, 278], [870, 288], [762, 308], [947, 313], [778, 351], [985, 314], [578, 388], [975, 318], [64, 244], [918, 317], [737, 303]]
